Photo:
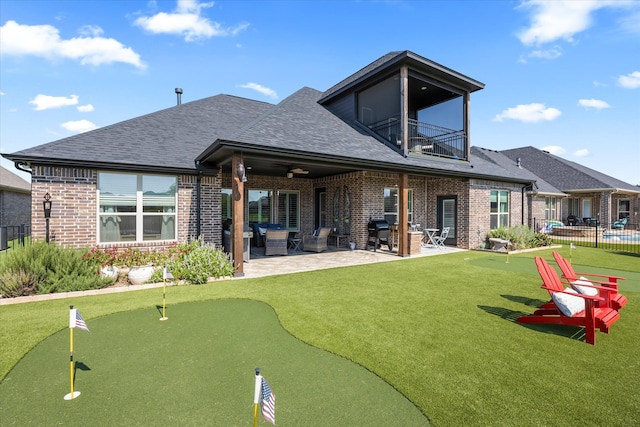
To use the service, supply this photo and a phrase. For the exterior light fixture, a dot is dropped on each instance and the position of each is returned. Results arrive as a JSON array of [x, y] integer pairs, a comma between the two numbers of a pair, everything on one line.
[[240, 172], [47, 213], [289, 174]]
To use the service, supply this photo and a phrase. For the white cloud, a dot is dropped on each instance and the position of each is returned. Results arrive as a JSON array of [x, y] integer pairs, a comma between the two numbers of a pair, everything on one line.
[[188, 22], [85, 108], [78, 126], [557, 20], [554, 20], [44, 41], [582, 152], [630, 81], [46, 102], [593, 103], [91, 31], [529, 113], [553, 53], [554, 149], [263, 90]]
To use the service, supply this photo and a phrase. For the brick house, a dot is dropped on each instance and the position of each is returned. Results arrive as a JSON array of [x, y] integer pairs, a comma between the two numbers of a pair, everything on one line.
[[15, 199], [390, 141]]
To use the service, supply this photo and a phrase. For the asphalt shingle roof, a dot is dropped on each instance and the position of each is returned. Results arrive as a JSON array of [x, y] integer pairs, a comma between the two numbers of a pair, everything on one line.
[[11, 181], [564, 174], [496, 157]]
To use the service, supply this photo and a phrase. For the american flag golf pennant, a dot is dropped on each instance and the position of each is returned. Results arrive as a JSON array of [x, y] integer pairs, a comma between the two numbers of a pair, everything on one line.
[[268, 403], [76, 320]]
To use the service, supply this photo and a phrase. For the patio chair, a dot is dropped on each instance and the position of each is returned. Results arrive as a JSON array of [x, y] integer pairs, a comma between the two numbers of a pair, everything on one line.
[[275, 242], [584, 284], [439, 240], [316, 242], [621, 223], [570, 308]]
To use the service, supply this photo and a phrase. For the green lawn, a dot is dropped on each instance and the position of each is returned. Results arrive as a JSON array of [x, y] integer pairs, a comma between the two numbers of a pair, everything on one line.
[[441, 330]]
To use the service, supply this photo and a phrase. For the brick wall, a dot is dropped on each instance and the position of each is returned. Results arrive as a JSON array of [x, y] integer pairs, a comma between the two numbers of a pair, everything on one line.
[[73, 221], [479, 223], [73, 205], [15, 208], [74, 212]]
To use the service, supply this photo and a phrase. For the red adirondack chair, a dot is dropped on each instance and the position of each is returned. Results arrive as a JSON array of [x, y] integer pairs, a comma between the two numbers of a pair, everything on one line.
[[590, 317], [612, 298]]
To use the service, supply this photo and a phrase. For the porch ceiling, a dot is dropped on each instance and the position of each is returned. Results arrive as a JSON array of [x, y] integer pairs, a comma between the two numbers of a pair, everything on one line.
[[260, 164]]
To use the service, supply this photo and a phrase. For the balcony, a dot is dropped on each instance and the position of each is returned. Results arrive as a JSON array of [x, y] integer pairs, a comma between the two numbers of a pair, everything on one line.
[[424, 138]]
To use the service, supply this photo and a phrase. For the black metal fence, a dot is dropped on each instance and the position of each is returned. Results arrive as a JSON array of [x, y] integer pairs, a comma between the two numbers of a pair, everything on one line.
[[594, 234], [12, 235]]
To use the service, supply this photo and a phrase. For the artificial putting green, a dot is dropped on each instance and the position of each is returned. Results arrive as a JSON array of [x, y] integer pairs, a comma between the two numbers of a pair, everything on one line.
[[197, 368]]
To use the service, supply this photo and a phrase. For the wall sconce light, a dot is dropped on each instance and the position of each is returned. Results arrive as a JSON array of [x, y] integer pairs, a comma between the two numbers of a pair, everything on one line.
[[289, 174], [240, 172], [47, 213]]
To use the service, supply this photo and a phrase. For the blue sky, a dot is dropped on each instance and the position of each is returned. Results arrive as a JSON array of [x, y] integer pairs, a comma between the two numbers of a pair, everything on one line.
[[561, 76]]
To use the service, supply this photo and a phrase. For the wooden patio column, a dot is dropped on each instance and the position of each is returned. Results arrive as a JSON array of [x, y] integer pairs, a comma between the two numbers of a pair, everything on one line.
[[237, 229], [403, 216]]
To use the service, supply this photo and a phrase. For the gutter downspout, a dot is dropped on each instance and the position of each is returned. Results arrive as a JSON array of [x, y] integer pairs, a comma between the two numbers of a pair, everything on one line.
[[198, 203]]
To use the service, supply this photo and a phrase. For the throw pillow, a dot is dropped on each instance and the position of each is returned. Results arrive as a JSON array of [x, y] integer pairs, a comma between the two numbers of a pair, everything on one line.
[[568, 305], [584, 287]]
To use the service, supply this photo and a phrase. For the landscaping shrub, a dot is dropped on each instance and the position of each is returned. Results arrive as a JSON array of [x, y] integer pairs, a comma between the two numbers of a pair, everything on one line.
[[41, 268], [520, 236], [194, 262], [200, 262]]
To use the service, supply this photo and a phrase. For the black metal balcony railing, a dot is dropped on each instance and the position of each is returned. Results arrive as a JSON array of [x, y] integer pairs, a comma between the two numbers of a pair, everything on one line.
[[424, 138]]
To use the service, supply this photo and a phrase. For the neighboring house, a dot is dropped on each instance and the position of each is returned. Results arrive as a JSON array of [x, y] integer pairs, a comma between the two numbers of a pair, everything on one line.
[[389, 142], [15, 199], [541, 199], [589, 196]]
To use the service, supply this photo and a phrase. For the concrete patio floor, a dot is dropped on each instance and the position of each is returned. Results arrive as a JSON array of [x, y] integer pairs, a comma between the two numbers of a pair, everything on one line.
[[260, 266], [298, 261]]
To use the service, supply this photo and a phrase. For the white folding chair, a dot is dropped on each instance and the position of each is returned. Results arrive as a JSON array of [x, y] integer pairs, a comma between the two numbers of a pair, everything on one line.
[[439, 240]]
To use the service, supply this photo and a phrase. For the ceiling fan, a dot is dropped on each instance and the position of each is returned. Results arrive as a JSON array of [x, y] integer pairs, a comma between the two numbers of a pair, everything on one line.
[[299, 171]]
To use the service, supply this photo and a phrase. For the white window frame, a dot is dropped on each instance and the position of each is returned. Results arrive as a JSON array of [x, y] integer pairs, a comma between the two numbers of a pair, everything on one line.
[[139, 213], [499, 218], [286, 218], [550, 208]]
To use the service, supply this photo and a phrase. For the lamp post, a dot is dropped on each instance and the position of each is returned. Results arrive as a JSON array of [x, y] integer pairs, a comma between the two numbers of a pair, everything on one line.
[[47, 213]]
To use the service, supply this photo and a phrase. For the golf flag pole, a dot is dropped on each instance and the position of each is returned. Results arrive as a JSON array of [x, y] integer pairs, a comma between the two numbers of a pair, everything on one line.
[[72, 325], [571, 248], [508, 245], [166, 274], [257, 391]]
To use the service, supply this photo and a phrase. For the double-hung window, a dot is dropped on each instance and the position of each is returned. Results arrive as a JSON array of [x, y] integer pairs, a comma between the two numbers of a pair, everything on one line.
[[289, 210], [550, 210], [391, 205], [136, 207], [499, 209]]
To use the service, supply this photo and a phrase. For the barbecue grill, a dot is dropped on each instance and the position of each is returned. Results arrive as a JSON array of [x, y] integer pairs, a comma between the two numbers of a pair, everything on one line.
[[379, 232]]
